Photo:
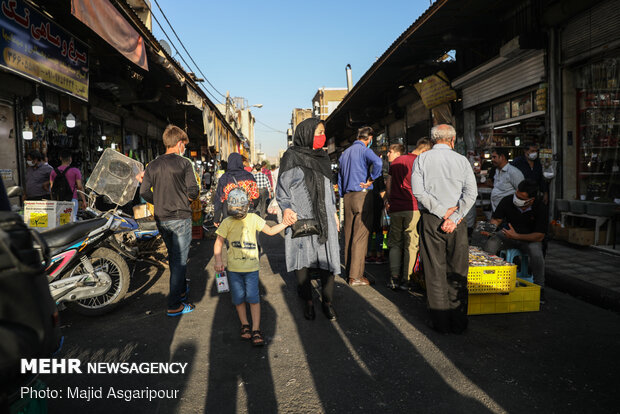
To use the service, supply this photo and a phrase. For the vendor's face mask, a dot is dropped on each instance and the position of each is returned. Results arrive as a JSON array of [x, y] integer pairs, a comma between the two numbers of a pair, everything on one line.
[[319, 141], [520, 203], [532, 155]]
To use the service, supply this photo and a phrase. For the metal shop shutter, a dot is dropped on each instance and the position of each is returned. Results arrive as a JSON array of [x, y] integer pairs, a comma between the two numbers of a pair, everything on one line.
[[517, 75], [595, 27]]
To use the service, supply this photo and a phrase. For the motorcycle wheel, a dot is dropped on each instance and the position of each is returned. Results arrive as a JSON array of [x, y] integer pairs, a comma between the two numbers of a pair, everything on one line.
[[112, 263]]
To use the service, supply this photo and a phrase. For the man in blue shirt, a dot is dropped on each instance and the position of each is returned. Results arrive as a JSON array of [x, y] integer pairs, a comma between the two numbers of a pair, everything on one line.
[[359, 167]]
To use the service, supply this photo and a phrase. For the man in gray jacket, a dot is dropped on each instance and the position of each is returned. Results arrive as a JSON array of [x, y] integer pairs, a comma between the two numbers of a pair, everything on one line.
[[444, 184]]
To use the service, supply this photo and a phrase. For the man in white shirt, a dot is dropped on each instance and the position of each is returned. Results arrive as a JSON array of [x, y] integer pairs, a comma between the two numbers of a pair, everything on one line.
[[443, 182], [507, 177]]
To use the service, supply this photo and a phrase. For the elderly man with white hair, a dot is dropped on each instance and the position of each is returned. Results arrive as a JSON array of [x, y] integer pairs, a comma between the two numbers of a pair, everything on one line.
[[443, 182]]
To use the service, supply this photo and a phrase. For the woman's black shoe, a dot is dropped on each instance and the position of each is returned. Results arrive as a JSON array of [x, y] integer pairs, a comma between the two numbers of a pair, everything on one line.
[[309, 311], [329, 311]]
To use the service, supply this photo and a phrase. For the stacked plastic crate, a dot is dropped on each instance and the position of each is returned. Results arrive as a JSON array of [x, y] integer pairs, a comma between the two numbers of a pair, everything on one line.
[[494, 288]]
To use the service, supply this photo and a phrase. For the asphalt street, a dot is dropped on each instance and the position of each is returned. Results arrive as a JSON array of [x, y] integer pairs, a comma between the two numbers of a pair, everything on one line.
[[379, 356]]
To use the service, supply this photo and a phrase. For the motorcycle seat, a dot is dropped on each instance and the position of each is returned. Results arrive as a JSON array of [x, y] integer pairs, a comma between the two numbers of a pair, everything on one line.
[[147, 224], [65, 234]]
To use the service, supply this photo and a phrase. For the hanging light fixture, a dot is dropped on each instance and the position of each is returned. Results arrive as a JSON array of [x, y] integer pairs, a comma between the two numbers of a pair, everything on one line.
[[27, 132], [37, 105], [70, 120], [103, 137]]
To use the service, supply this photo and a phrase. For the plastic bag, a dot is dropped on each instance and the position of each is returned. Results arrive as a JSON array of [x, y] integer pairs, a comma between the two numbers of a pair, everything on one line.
[[385, 219], [274, 208]]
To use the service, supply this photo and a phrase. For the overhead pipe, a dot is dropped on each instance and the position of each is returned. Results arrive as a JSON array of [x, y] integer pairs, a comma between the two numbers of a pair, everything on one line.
[[349, 78]]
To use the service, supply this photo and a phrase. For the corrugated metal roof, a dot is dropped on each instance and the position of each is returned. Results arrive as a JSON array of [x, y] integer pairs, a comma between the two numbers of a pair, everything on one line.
[[393, 47]]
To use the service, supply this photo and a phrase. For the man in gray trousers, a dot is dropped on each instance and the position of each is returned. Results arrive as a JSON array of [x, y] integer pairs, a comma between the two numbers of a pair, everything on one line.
[[444, 184]]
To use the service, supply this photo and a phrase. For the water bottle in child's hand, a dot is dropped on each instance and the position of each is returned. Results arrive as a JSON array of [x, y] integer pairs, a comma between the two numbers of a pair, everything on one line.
[[221, 281]]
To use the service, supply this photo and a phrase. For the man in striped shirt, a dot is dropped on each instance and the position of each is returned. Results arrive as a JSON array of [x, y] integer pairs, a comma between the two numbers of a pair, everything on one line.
[[264, 190]]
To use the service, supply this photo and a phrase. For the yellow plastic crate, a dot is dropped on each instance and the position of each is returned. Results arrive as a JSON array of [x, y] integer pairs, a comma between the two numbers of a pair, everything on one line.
[[525, 298], [491, 279]]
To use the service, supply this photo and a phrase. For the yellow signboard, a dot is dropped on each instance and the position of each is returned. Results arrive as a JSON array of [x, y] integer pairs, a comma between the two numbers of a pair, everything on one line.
[[435, 90], [24, 64], [65, 218], [38, 219]]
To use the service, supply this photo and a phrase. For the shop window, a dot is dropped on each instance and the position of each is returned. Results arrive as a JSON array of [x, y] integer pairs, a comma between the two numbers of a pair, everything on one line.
[[598, 118], [501, 111], [483, 116], [521, 105]]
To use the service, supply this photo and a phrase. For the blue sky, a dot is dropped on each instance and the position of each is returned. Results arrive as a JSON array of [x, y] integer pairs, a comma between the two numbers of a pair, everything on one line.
[[278, 53]]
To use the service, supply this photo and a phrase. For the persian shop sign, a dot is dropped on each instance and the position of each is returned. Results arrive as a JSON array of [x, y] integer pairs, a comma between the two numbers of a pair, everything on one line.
[[34, 46]]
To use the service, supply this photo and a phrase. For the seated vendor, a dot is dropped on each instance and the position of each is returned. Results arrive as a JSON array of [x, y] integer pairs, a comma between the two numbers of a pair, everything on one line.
[[521, 219]]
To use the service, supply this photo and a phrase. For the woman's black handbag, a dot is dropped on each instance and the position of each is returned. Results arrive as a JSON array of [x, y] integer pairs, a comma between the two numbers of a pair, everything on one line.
[[305, 227]]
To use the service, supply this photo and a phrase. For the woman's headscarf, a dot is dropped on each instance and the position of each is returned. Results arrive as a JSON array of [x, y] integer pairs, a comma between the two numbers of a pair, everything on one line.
[[235, 176], [315, 165]]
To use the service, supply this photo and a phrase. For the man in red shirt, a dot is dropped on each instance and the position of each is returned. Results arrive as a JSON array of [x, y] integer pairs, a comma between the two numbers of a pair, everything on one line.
[[404, 217]]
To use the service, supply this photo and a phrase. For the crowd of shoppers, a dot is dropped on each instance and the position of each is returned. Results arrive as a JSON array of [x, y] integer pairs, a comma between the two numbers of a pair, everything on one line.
[[427, 194]]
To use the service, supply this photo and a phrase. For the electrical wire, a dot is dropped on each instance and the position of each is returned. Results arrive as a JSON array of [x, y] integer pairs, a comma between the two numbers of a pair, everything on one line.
[[188, 54], [177, 51], [270, 127]]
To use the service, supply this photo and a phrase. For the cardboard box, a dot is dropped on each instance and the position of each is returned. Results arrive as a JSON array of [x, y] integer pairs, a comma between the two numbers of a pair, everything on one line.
[[45, 215], [585, 237], [141, 211], [560, 233]]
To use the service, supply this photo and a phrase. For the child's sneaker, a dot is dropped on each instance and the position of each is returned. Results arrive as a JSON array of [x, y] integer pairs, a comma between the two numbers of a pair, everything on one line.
[[370, 259]]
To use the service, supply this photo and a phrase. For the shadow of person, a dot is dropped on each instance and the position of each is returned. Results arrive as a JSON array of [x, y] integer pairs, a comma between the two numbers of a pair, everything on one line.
[[239, 372], [364, 361], [374, 364], [138, 331]]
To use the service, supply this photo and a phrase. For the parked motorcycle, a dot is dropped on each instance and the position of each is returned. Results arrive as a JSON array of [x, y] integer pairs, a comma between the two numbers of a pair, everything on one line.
[[136, 239], [85, 272]]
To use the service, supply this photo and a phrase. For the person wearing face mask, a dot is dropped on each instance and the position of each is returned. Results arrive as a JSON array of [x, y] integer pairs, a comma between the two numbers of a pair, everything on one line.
[[169, 183], [37, 177], [523, 220], [444, 185], [507, 177], [304, 192], [359, 168], [531, 167]]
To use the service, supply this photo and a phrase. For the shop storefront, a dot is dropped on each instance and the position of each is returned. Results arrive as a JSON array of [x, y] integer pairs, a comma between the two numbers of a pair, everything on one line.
[[591, 104], [504, 105], [589, 47], [43, 89]]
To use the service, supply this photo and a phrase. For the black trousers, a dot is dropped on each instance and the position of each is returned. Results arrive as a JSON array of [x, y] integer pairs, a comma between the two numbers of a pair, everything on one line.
[[445, 261], [305, 286], [261, 206]]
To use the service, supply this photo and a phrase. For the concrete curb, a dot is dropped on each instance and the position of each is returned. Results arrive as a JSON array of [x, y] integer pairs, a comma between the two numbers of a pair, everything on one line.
[[590, 292]]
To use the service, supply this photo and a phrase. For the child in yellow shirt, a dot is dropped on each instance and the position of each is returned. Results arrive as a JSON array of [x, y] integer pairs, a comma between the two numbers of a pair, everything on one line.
[[240, 228]]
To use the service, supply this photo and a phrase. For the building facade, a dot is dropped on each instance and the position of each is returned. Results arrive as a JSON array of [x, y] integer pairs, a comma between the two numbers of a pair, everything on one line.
[[326, 100]]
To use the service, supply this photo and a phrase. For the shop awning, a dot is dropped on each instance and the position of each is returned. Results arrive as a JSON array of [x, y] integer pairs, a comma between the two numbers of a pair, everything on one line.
[[103, 18], [447, 25]]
